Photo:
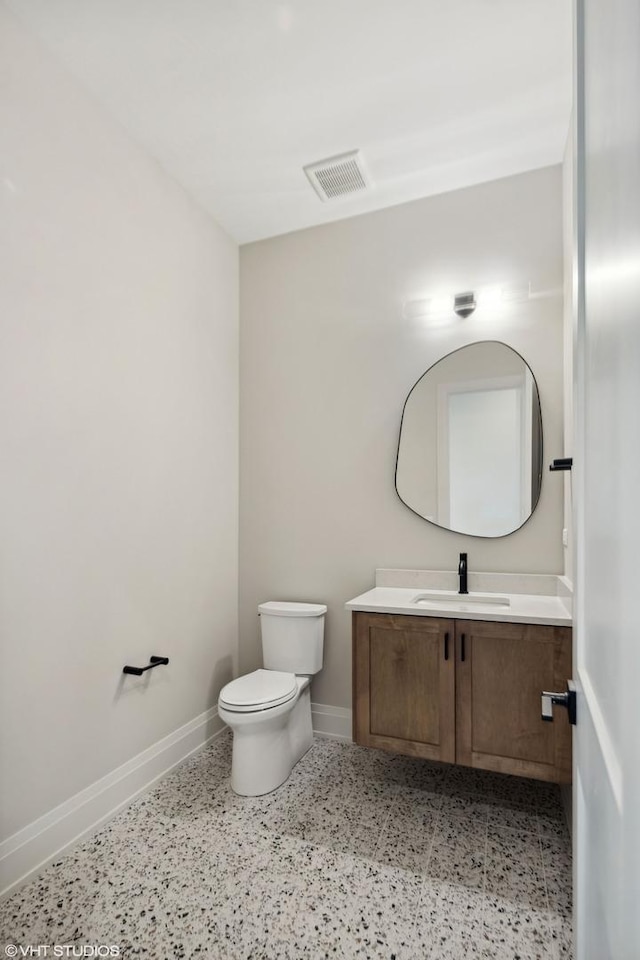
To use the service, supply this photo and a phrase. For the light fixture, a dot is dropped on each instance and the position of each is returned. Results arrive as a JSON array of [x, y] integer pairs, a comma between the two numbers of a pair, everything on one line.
[[464, 304]]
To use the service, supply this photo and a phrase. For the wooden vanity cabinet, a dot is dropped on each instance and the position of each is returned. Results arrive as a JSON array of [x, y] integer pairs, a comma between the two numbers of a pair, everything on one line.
[[501, 671], [462, 691], [404, 684]]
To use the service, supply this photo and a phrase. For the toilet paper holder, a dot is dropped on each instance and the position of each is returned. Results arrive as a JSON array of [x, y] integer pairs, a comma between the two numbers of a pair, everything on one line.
[[153, 662]]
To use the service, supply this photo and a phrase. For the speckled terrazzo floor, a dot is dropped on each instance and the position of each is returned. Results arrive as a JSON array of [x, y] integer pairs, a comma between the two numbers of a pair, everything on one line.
[[360, 854]]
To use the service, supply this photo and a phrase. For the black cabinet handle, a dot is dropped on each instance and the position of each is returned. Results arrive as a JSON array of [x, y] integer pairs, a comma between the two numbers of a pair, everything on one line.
[[446, 646], [462, 648]]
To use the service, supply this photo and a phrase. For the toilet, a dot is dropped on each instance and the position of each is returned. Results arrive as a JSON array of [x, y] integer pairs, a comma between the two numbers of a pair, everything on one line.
[[269, 710]]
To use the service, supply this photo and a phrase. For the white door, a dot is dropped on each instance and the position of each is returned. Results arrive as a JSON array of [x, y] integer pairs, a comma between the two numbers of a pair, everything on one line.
[[606, 481]]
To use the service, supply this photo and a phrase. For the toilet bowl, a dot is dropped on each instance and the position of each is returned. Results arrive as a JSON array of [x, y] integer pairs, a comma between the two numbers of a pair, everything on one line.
[[269, 710], [269, 737]]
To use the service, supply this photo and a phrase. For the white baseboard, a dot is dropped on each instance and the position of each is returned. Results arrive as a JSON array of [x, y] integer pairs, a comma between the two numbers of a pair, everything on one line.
[[31, 849], [331, 722]]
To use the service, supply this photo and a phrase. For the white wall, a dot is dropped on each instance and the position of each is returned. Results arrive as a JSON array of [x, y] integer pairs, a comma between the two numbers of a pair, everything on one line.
[[327, 361], [118, 425], [568, 231]]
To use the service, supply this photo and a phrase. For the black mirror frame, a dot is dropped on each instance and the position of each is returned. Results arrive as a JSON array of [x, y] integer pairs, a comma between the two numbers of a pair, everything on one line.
[[539, 452]]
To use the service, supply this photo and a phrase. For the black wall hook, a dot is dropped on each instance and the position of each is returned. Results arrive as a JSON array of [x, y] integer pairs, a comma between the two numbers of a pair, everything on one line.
[[153, 662], [565, 463]]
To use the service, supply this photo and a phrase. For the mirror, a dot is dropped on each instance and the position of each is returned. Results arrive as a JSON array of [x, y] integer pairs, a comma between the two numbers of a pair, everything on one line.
[[470, 447]]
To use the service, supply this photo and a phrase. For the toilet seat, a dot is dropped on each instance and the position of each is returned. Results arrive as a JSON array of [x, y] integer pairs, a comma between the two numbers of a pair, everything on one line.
[[259, 690]]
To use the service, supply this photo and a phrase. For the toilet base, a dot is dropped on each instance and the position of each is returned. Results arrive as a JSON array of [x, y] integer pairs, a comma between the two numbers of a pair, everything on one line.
[[267, 745]]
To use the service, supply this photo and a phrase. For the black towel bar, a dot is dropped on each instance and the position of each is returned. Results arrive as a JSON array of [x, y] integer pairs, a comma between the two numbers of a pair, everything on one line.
[[153, 662]]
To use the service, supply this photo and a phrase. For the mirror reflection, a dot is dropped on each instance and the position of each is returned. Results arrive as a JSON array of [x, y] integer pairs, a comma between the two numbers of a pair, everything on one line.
[[470, 447]]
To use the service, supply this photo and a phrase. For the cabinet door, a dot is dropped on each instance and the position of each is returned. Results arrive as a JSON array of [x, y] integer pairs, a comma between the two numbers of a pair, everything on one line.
[[404, 684], [501, 670]]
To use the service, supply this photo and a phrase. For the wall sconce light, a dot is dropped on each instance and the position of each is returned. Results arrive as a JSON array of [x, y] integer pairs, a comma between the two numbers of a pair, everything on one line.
[[464, 304]]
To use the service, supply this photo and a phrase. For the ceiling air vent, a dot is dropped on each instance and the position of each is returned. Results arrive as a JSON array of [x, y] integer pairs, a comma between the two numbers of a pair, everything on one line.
[[337, 176]]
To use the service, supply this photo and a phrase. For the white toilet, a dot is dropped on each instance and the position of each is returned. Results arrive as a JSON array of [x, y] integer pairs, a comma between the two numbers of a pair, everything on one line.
[[269, 710]]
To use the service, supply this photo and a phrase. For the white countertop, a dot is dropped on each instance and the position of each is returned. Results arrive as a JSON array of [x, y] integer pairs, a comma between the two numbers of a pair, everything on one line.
[[521, 608]]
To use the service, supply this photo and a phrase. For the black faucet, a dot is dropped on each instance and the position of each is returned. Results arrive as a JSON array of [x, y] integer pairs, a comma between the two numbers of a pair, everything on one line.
[[462, 573]]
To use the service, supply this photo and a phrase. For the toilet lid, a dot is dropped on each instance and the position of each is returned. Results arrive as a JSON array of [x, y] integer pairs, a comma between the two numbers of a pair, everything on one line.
[[259, 690]]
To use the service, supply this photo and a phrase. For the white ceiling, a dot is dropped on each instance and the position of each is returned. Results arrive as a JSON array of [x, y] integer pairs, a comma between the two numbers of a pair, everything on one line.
[[233, 97]]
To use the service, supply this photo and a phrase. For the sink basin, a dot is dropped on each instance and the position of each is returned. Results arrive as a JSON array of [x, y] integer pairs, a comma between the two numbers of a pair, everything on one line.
[[461, 601], [492, 599]]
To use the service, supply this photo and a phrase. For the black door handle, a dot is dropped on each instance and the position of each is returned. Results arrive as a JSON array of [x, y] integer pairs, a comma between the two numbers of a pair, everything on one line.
[[446, 646], [462, 648], [567, 700]]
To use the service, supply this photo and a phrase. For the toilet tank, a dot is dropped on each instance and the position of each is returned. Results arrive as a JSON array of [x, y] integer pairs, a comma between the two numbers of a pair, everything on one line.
[[292, 636]]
